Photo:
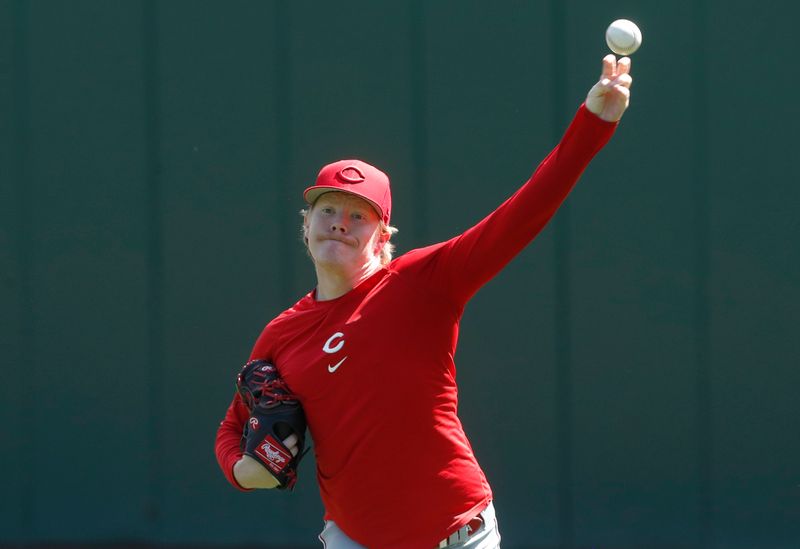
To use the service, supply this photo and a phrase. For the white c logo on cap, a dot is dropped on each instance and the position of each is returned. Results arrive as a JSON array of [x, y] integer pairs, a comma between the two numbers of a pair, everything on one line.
[[349, 177]]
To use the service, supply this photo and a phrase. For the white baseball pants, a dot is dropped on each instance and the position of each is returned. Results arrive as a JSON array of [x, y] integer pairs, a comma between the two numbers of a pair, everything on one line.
[[485, 537]]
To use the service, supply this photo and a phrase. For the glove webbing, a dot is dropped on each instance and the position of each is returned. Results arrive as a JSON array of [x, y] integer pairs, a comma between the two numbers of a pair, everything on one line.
[[274, 392]]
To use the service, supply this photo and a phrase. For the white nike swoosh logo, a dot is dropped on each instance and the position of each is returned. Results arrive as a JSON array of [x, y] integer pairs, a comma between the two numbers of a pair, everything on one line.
[[332, 369]]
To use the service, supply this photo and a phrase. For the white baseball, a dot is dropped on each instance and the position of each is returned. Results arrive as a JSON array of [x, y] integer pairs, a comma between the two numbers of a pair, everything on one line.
[[623, 37]]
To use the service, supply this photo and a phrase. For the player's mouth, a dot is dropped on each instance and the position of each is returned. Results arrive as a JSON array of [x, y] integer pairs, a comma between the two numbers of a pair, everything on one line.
[[343, 240]]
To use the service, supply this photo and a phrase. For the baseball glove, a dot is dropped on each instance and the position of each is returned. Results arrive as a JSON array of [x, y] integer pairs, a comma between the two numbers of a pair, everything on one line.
[[275, 414]]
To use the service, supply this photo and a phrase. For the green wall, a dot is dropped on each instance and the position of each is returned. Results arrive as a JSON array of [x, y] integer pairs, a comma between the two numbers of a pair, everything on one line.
[[630, 380]]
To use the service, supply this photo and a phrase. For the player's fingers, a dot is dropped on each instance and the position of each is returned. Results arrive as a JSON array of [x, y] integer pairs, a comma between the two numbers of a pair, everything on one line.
[[623, 80], [604, 85], [624, 92], [291, 439], [291, 443], [624, 65], [609, 65]]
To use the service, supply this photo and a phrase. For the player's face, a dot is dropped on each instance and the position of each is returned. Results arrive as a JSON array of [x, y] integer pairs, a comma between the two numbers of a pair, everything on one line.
[[343, 232]]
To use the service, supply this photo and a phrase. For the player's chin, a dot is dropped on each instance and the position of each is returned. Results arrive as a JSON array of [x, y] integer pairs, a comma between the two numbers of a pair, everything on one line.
[[331, 258]]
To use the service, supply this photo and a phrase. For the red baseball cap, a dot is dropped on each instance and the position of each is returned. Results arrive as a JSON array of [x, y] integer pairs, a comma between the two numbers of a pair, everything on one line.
[[358, 178]]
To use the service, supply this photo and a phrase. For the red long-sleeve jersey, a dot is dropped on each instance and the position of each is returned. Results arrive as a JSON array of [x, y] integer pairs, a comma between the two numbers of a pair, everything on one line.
[[375, 374]]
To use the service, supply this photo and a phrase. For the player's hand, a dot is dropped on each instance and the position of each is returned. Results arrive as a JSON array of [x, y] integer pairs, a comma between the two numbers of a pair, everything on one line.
[[609, 98], [250, 473], [291, 444]]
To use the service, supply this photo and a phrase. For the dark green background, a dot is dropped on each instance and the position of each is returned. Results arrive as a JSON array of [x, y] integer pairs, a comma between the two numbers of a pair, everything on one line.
[[630, 380]]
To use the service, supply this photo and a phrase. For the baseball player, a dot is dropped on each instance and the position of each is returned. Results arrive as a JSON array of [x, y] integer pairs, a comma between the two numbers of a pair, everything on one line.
[[367, 355]]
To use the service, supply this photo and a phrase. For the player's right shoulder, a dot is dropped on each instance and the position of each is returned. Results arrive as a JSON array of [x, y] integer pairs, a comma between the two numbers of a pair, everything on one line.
[[300, 305], [298, 312], [270, 333]]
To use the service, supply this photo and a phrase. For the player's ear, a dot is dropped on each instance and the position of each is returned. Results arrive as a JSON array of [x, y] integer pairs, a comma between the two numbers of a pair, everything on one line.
[[381, 241], [305, 225]]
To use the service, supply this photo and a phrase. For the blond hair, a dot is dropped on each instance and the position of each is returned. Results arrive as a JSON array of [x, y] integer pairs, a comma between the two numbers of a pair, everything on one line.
[[387, 250]]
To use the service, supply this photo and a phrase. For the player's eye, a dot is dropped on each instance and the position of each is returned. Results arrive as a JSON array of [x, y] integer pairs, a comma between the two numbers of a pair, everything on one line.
[[359, 216], [326, 210]]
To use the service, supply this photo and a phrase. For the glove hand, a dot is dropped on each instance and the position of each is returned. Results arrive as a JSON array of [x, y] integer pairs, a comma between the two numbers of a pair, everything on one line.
[[273, 437], [250, 381], [609, 98], [249, 474]]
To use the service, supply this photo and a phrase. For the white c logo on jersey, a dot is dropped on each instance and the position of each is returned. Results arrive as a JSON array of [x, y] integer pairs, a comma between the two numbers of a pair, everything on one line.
[[327, 347]]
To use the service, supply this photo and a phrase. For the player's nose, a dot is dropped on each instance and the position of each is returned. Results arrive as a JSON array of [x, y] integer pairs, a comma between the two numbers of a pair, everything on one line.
[[338, 225]]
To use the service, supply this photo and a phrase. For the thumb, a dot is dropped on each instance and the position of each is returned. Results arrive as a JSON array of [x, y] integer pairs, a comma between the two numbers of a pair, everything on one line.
[[291, 443], [595, 99]]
